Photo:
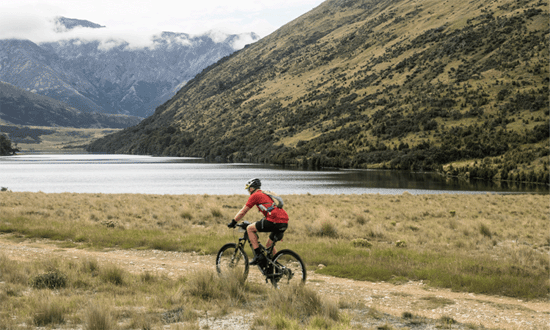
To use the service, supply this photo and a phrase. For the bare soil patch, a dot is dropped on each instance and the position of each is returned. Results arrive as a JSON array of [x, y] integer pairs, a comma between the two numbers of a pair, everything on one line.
[[413, 297]]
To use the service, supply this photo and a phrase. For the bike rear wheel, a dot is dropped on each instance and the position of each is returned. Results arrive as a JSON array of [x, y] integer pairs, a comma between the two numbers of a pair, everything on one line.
[[289, 269], [231, 260]]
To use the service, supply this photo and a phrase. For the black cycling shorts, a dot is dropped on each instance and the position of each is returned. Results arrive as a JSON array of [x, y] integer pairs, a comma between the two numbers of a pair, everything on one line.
[[277, 229]]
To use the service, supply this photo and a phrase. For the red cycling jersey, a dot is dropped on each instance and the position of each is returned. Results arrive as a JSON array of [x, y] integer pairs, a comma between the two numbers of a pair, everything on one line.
[[277, 215]]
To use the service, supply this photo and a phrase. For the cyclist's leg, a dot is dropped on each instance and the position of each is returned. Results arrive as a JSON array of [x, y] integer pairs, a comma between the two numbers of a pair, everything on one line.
[[268, 244], [259, 226], [276, 234], [252, 236]]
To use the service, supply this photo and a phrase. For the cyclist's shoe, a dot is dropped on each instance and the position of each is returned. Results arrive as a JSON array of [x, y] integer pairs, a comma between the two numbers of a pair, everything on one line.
[[258, 260]]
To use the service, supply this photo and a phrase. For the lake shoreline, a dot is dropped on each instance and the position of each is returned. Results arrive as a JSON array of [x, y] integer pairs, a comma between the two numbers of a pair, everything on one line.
[[104, 173], [328, 180]]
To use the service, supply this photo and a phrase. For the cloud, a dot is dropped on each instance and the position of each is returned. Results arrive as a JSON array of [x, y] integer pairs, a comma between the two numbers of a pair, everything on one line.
[[40, 29], [22, 25], [242, 40], [138, 23]]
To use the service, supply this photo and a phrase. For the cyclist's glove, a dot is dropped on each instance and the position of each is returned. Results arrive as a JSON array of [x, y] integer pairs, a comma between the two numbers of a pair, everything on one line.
[[232, 224]]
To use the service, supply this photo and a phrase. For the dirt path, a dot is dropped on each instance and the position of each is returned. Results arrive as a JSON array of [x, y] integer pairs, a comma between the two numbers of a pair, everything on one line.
[[414, 297]]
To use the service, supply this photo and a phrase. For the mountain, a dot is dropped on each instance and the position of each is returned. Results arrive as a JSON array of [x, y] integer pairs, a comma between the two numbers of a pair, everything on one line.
[[112, 76], [398, 83], [26, 65], [20, 107], [71, 23]]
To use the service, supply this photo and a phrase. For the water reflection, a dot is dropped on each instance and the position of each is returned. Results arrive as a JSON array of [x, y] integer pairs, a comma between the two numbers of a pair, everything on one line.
[[91, 173], [430, 181]]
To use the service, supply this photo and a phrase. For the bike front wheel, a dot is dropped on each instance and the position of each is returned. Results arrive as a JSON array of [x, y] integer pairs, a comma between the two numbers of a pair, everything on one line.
[[289, 269], [232, 261]]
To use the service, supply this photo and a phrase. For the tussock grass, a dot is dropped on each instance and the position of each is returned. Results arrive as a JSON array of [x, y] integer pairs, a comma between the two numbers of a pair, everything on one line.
[[98, 317], [299, 307], [94, 297], [492, 244], [113, 274], [48, 311], [208, 286]]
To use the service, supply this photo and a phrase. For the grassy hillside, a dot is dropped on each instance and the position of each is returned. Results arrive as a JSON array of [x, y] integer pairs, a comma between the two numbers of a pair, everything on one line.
[[460, 87]]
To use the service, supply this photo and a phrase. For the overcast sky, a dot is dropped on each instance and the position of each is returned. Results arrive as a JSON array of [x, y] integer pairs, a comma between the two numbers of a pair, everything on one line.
[[136, 20]]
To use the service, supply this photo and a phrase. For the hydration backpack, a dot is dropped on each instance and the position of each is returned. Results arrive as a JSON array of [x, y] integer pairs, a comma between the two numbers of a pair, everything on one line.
[[277, 201]]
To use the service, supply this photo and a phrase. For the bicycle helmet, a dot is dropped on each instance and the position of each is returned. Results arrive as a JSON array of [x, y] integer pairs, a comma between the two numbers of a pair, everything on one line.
[[254, 183]]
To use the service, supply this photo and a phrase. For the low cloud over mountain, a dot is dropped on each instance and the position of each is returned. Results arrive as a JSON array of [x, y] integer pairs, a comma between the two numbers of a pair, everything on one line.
[[93, 69], [39, 29]]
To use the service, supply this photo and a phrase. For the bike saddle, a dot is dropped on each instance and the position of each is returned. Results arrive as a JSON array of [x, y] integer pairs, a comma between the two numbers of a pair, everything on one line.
[[277, 237]]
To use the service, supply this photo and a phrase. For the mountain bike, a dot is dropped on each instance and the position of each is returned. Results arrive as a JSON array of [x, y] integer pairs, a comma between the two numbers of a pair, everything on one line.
[[282, 269]]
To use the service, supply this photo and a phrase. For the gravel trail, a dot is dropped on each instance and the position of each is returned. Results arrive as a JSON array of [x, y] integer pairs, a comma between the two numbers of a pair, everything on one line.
[[390, 300]]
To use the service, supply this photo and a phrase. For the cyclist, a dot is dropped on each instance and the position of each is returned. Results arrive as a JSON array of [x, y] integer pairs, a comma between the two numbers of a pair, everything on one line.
[[274, 221]]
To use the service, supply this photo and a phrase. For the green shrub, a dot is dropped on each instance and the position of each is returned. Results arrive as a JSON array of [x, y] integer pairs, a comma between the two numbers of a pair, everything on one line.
[[361, 242], [447, 320], [52, 280], [217, 213], [147, 277], [328, 229], [361, 219], [401, 244], [407, 315], [90, 266], [485, 231], [186, 215]]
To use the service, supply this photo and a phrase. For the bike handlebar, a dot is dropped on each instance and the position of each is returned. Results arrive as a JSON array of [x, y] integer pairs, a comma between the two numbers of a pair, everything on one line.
[[243, 224]]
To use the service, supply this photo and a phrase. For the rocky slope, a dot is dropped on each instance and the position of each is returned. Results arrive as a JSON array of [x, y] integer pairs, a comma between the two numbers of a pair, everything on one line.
[[20, 107], [352, 83]]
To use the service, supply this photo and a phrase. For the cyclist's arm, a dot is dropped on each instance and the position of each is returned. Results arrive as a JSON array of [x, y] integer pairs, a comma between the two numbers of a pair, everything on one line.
[[241, 213]]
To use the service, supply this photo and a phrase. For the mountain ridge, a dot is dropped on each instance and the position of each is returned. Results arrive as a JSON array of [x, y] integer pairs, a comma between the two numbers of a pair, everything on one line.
[[71, 23], [112, 76], [355, 84]]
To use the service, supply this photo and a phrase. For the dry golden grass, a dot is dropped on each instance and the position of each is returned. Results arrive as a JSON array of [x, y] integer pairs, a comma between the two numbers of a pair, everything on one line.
[[501, 225], [438, 218], [454, 230], [478, 243]]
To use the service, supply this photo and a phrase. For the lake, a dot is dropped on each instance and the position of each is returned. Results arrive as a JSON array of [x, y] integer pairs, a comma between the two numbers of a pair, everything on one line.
[[100, 173]]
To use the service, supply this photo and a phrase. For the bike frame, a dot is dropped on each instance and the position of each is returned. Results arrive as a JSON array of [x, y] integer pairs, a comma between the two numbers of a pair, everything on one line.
[[272, 270], [245, 238]]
